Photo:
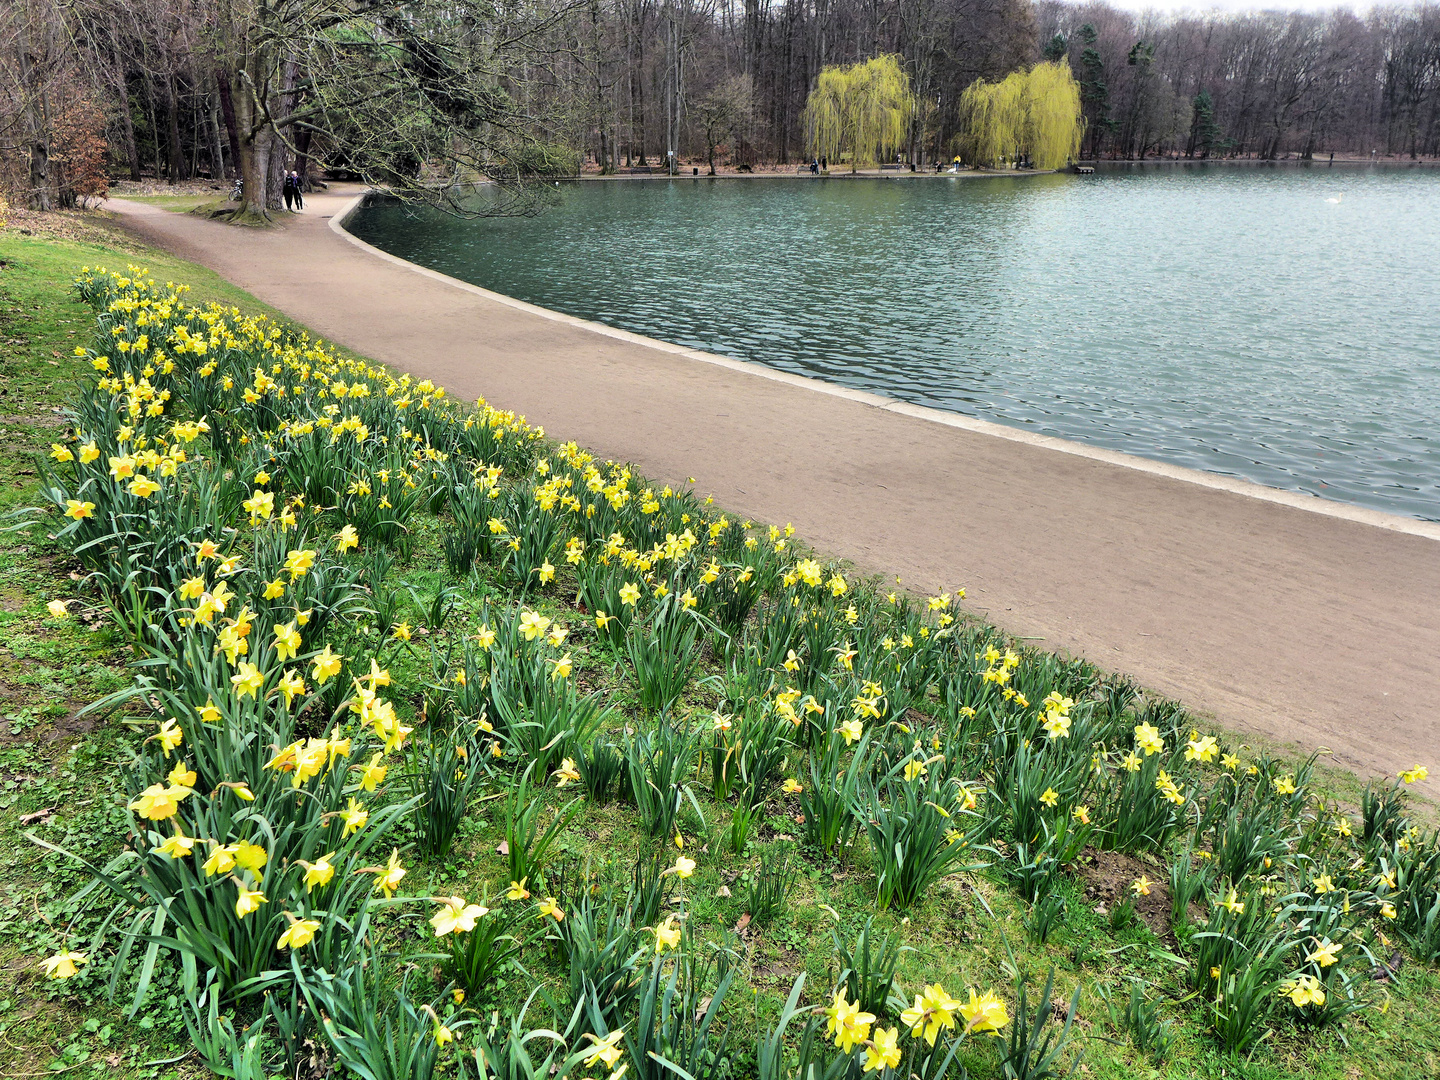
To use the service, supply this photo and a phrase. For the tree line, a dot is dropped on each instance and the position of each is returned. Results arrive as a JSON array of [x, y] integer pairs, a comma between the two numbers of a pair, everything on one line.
[[417, 93]]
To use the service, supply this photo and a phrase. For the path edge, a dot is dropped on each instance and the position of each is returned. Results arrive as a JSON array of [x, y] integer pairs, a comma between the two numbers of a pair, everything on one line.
[[1313, 504]]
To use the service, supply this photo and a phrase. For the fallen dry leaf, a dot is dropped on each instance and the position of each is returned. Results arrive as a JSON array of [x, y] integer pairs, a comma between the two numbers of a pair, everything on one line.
[[503, 847]]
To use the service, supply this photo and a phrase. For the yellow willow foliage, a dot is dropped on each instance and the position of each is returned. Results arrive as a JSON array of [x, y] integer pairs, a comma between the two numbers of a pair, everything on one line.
[[1054, 122], [863, 109], [995, 115], [1035, 112]]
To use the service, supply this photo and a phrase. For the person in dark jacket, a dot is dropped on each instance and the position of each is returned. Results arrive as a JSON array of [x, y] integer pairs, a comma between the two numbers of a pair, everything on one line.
[[298, 190], [287, 188]]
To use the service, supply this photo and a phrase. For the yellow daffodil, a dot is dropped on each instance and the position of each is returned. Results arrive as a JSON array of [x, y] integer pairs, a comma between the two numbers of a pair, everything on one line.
[[158, 802], [984, 1013], [1056, 725], [247, 680], [567, 773], [372, 774], [846, 1024], [64, 964], [298, 934], [355, 817], [389, 877], [1147, 739], [883, 1051], [933, 1012], [1201, 749], [1324, 954], [318, 873], [1306, 990], [667, 935], [326, 665], [456, 916], [177, 846], [248, 901], [605, 1050], [532, 625], [143, 487], [221, 859]]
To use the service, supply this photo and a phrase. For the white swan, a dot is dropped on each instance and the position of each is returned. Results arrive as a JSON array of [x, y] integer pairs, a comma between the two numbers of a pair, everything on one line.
[[1337, 198]]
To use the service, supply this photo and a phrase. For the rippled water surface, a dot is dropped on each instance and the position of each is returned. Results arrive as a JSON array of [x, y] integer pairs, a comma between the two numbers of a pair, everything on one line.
[[1229, 319]]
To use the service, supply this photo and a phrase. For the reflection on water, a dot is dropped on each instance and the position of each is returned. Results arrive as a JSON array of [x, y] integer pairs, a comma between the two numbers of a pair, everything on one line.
[[1229, 319]]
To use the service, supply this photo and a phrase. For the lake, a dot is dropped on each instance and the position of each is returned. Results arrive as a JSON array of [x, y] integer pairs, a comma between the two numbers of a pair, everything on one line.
[[1276, 324]]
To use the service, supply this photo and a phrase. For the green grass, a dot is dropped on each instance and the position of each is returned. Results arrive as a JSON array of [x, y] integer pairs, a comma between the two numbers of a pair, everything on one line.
[[52, 759], [180, 204]]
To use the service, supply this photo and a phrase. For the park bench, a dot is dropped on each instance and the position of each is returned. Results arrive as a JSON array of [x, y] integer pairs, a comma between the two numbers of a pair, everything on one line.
[[891, 166], [642, 170]]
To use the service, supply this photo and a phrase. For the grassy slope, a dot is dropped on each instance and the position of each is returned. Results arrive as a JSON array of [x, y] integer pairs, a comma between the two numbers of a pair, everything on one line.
[[52, 758]]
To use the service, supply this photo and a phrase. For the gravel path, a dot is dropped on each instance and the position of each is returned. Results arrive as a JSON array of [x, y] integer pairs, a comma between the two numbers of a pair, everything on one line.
[[1306, 621]]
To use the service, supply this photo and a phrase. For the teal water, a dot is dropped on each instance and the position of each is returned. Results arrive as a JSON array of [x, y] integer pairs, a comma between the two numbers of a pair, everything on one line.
[[1228, 319]]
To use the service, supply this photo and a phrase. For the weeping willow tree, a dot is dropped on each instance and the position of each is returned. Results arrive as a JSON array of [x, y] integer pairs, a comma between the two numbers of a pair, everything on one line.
[[1035, 112], [863, 110]]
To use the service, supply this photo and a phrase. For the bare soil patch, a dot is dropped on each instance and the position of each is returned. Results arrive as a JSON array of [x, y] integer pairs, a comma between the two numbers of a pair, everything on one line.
[[1108, 877]]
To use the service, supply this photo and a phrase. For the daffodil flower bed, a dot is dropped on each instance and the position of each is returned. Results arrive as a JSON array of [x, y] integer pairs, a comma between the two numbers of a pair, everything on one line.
[[238, 494]]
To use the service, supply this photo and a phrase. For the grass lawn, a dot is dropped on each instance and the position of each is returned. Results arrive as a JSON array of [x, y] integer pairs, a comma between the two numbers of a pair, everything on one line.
[[62, 779]]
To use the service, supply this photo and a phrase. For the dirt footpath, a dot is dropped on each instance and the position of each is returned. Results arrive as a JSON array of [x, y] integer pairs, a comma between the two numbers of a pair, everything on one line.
[[1303, 620]]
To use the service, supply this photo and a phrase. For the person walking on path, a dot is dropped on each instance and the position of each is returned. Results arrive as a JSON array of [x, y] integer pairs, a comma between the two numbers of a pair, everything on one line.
[[296, 190], [287, 188]]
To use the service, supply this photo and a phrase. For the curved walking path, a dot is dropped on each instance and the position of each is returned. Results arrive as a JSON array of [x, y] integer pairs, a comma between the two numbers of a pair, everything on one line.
[[1306, 621]]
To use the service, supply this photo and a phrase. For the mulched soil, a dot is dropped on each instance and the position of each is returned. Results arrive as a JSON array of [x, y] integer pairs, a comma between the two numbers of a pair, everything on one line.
[[1108, 876]]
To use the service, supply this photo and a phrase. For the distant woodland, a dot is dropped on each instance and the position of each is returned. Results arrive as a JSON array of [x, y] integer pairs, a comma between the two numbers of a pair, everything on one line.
[[415, 92]]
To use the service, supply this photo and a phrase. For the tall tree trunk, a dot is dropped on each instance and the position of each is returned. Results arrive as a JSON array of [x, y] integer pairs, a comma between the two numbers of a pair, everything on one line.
[[279, 152], [227, 110], [212, 128], [302, 156], [37, 119], [127, 121], [253, 147], [174, 151], [154, 124]]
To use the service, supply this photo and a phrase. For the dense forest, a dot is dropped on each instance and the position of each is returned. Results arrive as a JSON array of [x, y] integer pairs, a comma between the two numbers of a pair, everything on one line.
[[409, 92]]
